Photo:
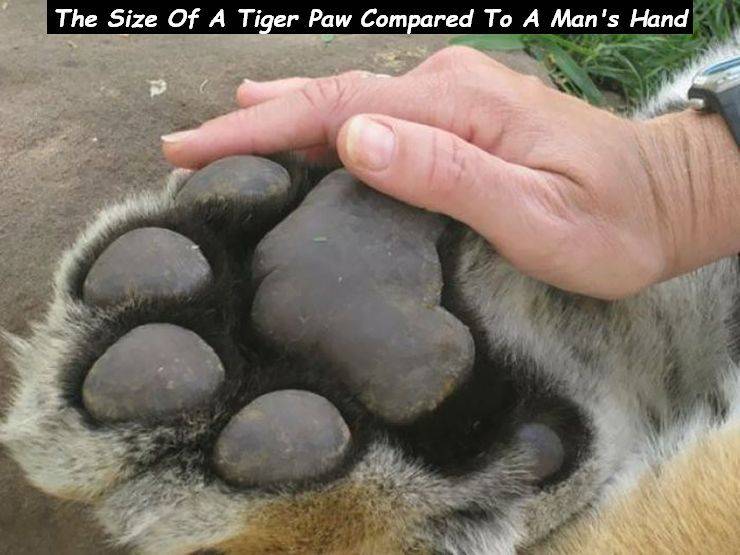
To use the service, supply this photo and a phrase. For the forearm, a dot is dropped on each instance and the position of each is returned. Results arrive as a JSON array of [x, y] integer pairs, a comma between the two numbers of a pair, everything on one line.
[[694, 168]]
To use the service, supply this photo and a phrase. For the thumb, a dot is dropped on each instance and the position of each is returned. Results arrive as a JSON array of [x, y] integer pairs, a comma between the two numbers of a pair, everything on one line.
[[436, 170]]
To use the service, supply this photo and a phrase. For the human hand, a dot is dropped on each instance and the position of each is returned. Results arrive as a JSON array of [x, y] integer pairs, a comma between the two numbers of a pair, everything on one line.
[[570, 194]]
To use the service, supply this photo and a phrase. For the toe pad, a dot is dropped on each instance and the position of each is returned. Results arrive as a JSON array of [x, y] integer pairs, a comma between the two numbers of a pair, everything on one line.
[[549, 453], [254, 181], [286, 435], [154, 372], [148, 262]]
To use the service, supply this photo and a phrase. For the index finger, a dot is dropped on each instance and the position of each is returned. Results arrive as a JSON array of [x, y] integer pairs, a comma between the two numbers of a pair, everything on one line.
[[309, 117]]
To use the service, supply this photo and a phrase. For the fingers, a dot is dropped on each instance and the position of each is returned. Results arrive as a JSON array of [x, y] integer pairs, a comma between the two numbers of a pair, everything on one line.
[[261, 129], [297, 113], [250, 93], [308, 117], [436, 170]]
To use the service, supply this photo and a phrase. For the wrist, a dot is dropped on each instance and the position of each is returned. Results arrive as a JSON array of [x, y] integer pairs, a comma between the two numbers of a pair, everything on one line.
[[693, 169]]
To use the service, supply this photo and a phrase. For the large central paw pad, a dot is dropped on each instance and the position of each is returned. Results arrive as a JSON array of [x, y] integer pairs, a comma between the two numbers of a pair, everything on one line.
[[241, 347], [355, 278]]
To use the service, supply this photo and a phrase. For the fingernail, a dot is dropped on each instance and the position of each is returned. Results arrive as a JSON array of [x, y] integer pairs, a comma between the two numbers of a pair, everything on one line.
[[247, 82], [370, 144], [178, 137]]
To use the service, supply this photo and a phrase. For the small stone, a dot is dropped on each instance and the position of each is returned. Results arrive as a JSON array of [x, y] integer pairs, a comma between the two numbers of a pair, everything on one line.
[[147, 263], [283, 436], [257, 182], [154, 372]]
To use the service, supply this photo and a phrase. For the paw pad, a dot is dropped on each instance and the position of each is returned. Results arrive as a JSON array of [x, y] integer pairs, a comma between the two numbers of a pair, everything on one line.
[[549, 453], [284, 436], [355, 276], [247, 179], [227, 350], [154, 372], [149, 262]]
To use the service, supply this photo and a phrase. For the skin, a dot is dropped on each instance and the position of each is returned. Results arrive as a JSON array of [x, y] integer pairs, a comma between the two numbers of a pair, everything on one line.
[[570, 194]]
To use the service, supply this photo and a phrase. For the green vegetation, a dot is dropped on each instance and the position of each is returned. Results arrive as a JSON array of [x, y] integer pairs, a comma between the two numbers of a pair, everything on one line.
[[630, 65]]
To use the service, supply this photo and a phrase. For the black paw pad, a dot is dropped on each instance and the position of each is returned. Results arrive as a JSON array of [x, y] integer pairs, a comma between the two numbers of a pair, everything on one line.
[[284, 436], [146, 263], [250, 180], [355, 277], [154, 372]]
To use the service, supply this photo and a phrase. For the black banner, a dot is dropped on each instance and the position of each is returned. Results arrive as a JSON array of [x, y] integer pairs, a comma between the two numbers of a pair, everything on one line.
[[170, 17]]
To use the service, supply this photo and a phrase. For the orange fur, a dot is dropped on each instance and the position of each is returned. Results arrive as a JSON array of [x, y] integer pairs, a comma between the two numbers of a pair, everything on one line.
[[344, 519], [690, 505]]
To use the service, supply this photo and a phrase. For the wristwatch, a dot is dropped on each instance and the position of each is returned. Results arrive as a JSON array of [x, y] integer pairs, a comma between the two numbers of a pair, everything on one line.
[[717, 89]]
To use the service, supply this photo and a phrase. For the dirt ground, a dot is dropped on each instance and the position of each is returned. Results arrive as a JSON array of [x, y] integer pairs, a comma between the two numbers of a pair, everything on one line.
[[78, 128]]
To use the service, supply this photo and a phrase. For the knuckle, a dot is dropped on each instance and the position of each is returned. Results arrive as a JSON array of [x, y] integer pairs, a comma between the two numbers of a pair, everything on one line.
[[330, 94], [449, 58], [460, 162], [243, 117], [450, 167], [457, 67], [456, 53], [529, 87]]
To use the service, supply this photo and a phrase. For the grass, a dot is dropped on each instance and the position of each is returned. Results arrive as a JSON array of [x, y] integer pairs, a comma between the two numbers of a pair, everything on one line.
[[631, 65]]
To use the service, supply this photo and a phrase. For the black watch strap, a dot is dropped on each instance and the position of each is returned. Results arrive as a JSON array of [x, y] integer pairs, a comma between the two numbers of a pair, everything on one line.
[[726, 103], [717, 89]]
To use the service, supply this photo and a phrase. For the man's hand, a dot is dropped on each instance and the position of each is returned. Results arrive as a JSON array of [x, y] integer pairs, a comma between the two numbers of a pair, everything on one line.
[[569, 194]]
